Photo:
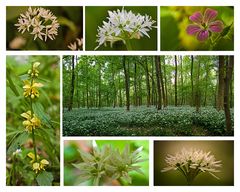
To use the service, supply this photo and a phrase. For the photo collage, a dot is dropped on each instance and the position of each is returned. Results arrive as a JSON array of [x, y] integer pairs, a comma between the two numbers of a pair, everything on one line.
[[120, 94]]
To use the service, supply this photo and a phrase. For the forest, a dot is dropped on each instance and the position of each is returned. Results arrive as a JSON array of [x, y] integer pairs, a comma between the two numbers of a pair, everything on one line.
[[167, 95]]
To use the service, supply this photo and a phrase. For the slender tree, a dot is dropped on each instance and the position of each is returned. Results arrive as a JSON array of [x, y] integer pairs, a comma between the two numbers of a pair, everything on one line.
[[175, 81], [159, 101], [192, 100], [162, 83], [135, 85], [197, 92], [126, 82], [72, 86], [181, 76], [147, 82], [165, 81]]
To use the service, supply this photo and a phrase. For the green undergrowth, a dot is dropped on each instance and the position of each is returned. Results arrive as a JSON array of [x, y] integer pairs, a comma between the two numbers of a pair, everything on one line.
[[143, 121]]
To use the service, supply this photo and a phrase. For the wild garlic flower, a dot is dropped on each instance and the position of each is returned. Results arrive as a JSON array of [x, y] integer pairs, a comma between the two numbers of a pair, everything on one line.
[[123, 26], [192, 162], [108, 163], [39, 22], [31, 122], [37, 164], [76, 45], [31, 89]]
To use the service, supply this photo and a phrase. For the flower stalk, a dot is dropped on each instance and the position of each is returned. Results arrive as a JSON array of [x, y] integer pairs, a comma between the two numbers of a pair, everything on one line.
[[32, 122]]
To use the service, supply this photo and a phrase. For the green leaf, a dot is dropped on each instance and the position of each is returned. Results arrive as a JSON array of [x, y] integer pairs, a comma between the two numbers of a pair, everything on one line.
[[226, 30], [19, 139], [11, 84], [44, 178], [86, 157], [39, 111]]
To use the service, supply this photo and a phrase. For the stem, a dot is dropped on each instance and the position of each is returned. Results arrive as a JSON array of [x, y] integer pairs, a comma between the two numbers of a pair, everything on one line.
[[12, 180], [213, 42], [128, 44], [33, 135]]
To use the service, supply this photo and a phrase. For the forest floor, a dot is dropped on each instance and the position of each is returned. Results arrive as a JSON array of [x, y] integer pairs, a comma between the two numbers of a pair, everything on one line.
[[145, 121]]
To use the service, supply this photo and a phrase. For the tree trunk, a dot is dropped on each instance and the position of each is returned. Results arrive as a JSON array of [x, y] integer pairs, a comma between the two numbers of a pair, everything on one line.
[[192, 99], [126, 83], [87, 88], [162, 83], [175, 82], [206, 84], [135, 85], [165, 81], [197, 92], [99, 86], [72, 86], [229, 71], [147, 84], [181, 75], [153, 84], [220, 97], [159, 101]]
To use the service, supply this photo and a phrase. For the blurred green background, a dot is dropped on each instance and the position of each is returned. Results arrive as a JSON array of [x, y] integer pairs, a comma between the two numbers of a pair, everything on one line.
[[48, 135], [95, 17], [71, 155], [222, 150], [174, 21], [71, 27]]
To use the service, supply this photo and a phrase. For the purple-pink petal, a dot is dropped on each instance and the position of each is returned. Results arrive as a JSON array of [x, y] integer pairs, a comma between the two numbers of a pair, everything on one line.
[[193, 29], [209, 15], [196, 17], [216, 26], [203, 35]]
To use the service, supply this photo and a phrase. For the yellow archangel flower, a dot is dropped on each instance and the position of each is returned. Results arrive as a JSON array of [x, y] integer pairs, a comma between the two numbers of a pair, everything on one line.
[[31, 122], [36, 164], [31, 89], [34, 71]]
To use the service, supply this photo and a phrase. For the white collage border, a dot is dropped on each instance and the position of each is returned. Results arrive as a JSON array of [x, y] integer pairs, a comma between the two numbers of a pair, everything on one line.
[[158, 3]]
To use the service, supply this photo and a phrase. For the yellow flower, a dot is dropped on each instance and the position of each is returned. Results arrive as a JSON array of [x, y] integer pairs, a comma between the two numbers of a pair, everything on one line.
[[32, 156], [34, 72], [31, 122], [30, 89], [36, 165], [43, 163]]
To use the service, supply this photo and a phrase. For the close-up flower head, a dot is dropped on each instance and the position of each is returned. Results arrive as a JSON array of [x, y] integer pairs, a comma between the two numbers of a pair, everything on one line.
[[39, 22], [123, 25], [191, 162], [204, 24]]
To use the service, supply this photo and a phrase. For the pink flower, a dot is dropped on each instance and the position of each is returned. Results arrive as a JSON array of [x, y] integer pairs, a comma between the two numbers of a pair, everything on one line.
[[205, 24]]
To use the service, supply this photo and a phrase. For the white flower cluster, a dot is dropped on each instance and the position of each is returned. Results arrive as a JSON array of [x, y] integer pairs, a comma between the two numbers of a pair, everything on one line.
[[192, 162], [39, 22], [122, 26], [76, 45]]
